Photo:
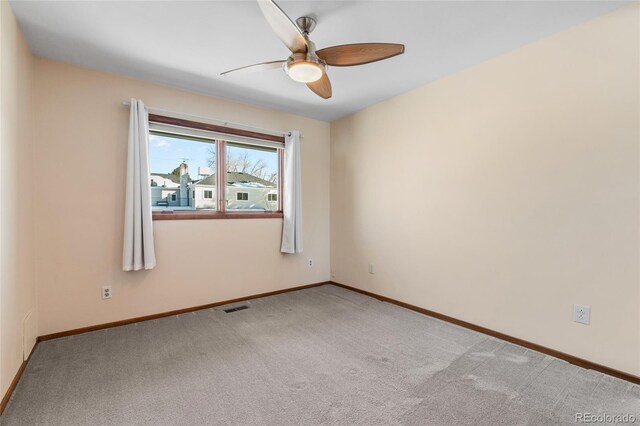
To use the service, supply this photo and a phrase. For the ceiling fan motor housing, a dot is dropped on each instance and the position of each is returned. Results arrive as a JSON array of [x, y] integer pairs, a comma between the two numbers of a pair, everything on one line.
[[305, 57]]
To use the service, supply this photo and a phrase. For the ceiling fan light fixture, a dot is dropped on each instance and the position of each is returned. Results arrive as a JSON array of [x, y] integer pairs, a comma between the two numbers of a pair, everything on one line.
[[304, 67], [305, 72]]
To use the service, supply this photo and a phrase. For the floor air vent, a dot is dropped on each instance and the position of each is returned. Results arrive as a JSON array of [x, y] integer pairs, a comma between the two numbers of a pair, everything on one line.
[[237, 308]]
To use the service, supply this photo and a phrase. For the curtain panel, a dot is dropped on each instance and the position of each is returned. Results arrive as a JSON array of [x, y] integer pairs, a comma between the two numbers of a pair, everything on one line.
[[292, 195], [138, 251]]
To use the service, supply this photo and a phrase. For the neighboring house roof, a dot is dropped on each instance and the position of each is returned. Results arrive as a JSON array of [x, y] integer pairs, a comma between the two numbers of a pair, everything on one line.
[[172, 178], [238, 179]]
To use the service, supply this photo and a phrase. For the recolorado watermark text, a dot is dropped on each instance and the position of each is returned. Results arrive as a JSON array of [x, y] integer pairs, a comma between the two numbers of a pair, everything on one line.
[[605, 418]]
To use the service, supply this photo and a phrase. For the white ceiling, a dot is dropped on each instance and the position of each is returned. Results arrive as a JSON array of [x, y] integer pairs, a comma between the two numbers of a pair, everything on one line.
[[188, 44]]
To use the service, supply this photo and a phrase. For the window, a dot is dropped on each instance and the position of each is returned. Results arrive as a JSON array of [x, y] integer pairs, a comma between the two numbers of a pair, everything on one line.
[[184, 170], [252, 173], [181, 164]]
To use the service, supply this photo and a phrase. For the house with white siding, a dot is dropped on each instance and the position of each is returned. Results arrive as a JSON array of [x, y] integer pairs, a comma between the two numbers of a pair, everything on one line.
[[244, 191]]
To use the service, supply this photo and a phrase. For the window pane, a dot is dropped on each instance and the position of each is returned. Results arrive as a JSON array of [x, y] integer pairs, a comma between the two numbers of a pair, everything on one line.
[[182, 173], [252, 175]]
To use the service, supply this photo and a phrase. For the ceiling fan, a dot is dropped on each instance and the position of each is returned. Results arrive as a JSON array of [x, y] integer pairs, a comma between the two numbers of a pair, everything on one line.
[[308, 65]]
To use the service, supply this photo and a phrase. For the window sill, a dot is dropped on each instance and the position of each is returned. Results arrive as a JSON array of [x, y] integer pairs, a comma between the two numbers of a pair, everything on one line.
[[190, 215]]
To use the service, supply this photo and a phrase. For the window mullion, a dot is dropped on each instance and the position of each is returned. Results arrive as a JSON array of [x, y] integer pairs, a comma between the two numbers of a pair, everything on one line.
[[280, 177], [221, 173]]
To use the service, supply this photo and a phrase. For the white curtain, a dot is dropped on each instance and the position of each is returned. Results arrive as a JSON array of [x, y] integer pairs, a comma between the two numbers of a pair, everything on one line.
[[292, 195], [138, 250]]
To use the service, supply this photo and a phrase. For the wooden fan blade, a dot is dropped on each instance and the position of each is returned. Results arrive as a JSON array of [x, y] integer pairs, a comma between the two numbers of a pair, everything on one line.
[[284, 27], [264, 66], [321, 87], [348, 55]]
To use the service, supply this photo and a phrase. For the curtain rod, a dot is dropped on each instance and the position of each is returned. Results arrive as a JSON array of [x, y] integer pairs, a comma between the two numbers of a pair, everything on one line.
[[225, 122]]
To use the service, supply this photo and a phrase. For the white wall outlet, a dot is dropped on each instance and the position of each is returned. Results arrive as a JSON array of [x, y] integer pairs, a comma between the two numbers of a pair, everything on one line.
[[582, 314], [106, 292], [372, 269], [310, 263]]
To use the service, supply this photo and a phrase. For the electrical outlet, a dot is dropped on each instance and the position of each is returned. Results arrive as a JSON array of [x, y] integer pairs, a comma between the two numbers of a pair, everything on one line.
[[372, 269], [310, 263], [106, 292], [582, 314]]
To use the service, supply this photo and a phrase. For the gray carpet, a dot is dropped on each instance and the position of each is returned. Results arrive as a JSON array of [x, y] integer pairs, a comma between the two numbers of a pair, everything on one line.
[[319, 356]]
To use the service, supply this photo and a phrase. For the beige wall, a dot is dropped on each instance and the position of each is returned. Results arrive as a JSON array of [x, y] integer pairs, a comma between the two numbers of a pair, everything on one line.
[[17, 287], [81, 142], [505, 193]]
